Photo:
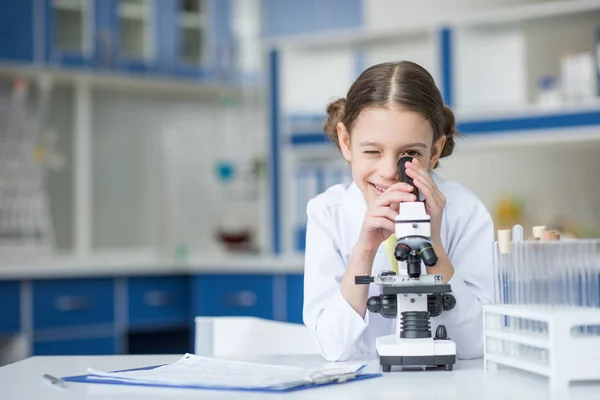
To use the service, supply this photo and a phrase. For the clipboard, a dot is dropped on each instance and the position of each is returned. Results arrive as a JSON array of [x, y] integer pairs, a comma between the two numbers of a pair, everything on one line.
[[289, 387]]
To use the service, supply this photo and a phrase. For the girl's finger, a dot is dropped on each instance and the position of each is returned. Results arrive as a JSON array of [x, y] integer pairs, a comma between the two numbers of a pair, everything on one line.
[[385, 212], [415, 170], [400, 186], [382, 222], [434, 201], [388, 198], [423, 176]]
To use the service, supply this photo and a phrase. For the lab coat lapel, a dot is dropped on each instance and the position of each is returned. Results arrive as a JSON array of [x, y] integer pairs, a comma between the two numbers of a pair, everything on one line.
[[354, 208]]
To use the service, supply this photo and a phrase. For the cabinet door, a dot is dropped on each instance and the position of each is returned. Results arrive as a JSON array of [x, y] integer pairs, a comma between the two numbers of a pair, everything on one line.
[[158, 302], [135, 33], [72, 32], [10, 298], [189, 36], [17, 30], [73, 302], [295, 298], [233, 295]]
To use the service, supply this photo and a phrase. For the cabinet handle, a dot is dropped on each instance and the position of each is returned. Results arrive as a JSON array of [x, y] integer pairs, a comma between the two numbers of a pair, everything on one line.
[[246, 298], [157, 298], [72, 303]]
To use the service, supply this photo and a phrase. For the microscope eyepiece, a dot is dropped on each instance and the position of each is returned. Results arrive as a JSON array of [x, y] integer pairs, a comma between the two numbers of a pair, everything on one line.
[[403, 177]]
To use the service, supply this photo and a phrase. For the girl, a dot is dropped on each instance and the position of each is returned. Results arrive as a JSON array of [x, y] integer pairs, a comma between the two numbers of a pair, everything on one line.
[[392, 110]]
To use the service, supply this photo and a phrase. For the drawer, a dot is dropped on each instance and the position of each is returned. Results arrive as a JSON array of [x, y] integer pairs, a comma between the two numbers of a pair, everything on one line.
[[72, 302], [10, 316], [294, 297], [158, 301], [74, 347], [234, 295]]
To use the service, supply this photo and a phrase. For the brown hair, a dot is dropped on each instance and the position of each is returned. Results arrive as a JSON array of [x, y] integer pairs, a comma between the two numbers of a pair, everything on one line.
[[404, 84]]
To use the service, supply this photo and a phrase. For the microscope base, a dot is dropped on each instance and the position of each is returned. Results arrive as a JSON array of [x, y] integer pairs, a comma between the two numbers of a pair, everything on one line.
[[429, 352]]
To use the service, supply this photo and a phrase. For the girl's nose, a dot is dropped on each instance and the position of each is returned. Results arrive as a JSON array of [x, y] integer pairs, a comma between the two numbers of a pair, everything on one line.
[[388, 170]]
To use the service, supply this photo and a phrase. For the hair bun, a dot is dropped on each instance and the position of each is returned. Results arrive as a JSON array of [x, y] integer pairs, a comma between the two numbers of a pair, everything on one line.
[[336, 112], [449, 131]]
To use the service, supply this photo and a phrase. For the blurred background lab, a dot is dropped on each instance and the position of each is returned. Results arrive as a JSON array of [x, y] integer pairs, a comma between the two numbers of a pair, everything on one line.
[[156, 156]]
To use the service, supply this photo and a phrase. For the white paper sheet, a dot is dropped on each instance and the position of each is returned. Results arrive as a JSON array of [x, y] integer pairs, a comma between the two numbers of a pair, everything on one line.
[[192, 370]]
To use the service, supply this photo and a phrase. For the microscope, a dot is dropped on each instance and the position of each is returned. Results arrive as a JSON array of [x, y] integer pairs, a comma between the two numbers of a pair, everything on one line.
[[411, 296]]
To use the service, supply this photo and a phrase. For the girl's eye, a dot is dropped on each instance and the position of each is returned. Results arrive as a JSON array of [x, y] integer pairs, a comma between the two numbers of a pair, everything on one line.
[[371, 152], [413, 153]]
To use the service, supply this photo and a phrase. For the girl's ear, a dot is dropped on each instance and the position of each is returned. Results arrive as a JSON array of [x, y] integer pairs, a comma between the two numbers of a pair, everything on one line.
[[344, 140], [436, 151]]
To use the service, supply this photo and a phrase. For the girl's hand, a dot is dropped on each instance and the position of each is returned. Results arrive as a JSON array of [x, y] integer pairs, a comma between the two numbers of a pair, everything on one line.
[[434, 199], [380, 219]]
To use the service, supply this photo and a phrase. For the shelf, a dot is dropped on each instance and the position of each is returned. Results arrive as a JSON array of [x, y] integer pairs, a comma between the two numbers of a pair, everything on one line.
[[146, 262], [539, 122], [131, 83], [529, 340], [348, 38], [521, 126], [493, 16], [520, 364]]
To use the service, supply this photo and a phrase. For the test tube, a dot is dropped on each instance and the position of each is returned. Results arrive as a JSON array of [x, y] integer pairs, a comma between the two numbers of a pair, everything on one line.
[[503, 250]]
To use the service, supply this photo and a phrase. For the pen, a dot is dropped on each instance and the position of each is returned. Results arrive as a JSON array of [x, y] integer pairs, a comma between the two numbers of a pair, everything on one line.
[[54, 381]]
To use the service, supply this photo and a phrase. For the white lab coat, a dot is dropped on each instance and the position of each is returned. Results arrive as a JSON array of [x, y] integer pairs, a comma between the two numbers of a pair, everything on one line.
[[335, 219]]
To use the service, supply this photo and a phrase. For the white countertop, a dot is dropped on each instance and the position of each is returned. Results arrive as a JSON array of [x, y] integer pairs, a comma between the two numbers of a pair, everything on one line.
[[468, 380], [146, 263]]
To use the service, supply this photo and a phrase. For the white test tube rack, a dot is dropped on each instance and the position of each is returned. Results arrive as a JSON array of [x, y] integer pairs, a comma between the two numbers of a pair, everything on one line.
[[559, 350]]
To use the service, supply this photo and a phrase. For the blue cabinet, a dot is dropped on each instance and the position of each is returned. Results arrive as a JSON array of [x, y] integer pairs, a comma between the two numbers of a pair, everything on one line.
[[81, 346], [17, 31], [72, 303], [295, 298], [171, 38], [158, 301], [140, 314], [10, 298], [233, 295]]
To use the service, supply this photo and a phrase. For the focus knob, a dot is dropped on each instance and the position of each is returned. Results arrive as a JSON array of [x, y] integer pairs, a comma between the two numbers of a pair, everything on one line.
[[373, 304], [449, 302], [441, 333]]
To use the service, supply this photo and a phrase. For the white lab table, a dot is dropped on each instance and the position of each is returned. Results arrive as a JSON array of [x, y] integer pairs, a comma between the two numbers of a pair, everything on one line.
[[23, 380]]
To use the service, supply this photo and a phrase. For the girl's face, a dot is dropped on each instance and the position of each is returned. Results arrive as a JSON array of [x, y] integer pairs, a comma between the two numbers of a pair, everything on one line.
[[380, 137]]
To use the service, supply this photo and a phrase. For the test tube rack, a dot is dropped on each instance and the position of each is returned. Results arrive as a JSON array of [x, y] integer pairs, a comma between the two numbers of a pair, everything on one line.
[[546, 316], [553, 342]]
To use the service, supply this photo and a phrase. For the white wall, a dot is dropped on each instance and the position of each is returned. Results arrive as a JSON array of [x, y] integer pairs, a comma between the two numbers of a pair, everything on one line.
[[155, 162], [554, 181], [389, 14]]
